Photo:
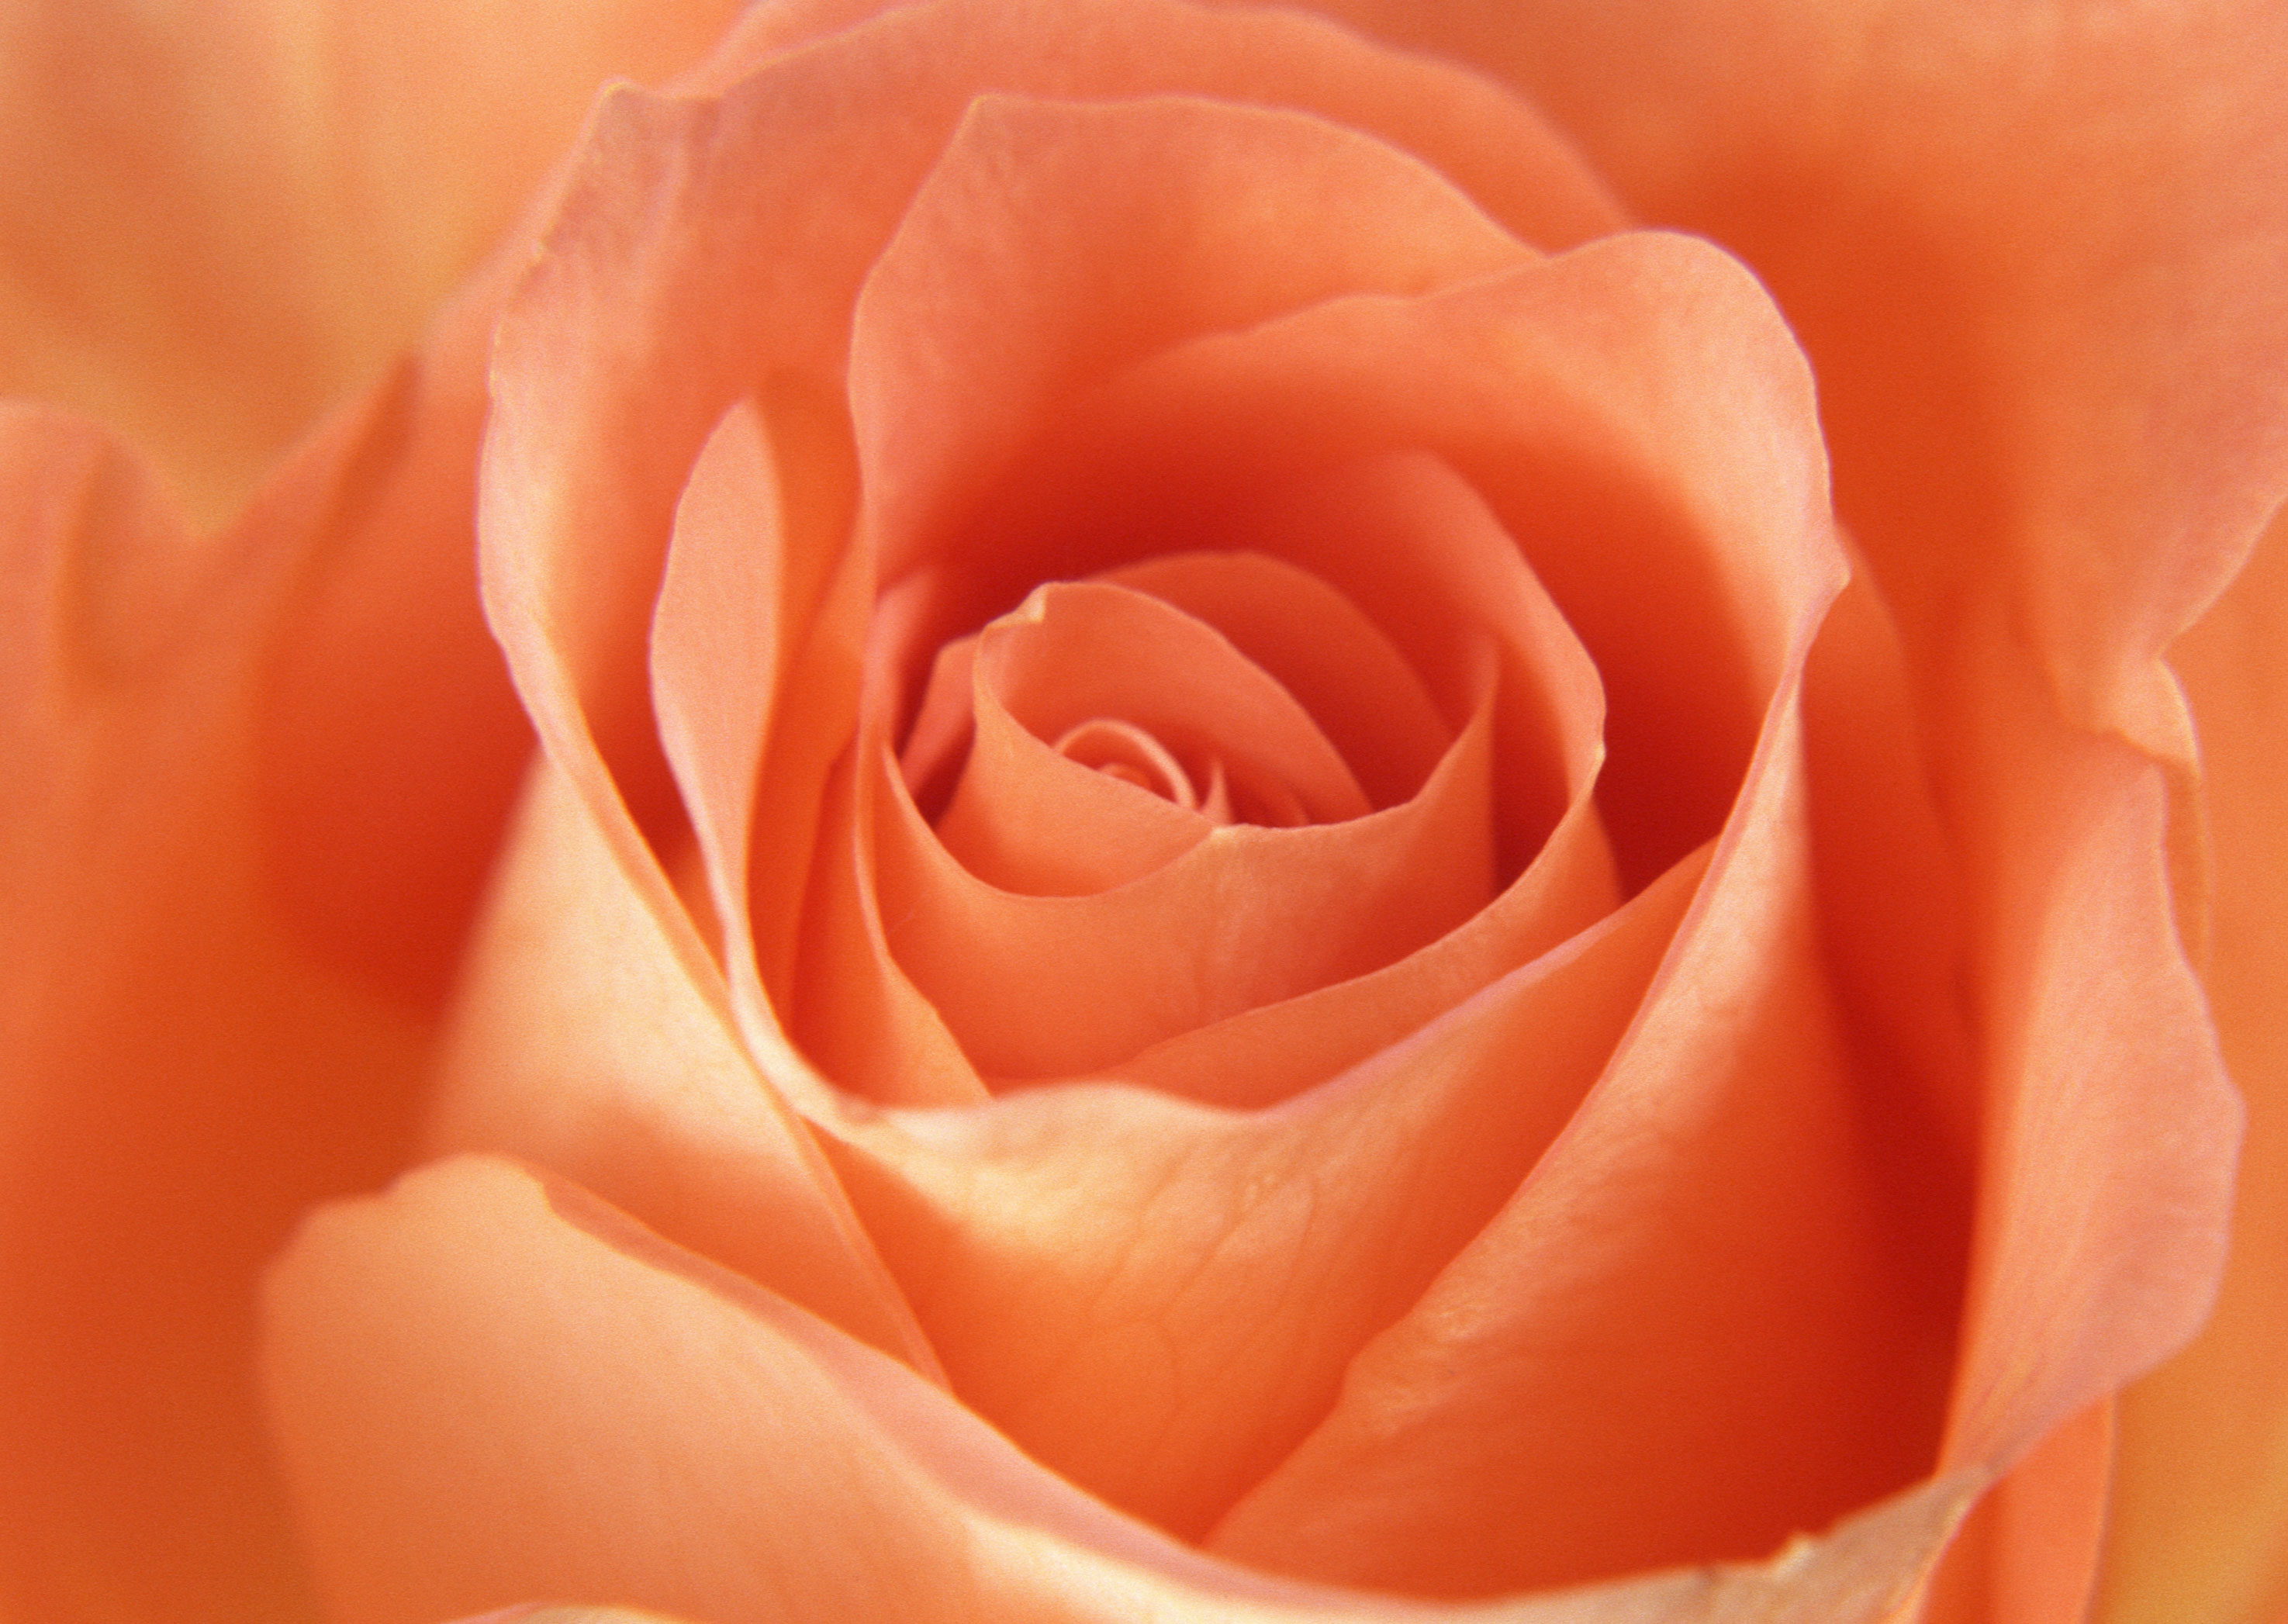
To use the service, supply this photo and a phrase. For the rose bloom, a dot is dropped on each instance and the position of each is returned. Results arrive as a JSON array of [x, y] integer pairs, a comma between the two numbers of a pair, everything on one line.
[[1108, 808]]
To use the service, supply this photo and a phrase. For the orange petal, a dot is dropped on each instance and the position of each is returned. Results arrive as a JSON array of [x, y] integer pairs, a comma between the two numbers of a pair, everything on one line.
[[1569, 394], [762, 604], [2111, 1128], [2029, 1548], [2052, 360], [1079, 651], [1156, 1298], [1056, 243], [1037, 986], [389, 731], [1699, 1327], [2200, 1526], [1322, 648], [582, 1042], [1462, 586], [489, 1386], [2039, 296], [217, 221], [185, 1074]]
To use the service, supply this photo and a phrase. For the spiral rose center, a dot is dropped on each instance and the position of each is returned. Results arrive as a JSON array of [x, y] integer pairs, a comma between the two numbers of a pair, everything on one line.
[[1130, 754]]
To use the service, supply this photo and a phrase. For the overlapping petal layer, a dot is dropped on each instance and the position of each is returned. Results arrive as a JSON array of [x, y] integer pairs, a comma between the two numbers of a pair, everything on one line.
[[664, 1434]]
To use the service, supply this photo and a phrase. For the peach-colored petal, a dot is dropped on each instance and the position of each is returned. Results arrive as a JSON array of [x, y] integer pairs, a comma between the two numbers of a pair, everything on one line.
[[2109, 1126], [1055, 244], [858, 1016], [216, 219], [184, 1074], [763, 601], [389, 731], [489, 1386], [1157, 1299], [1462, 593], [1039, 986], [1633, 1364], [1321, 647], [1568, 394], [2034, 263], [1031, 815], [1761, 498], [2034, 259], [2029, 1548], [1081, 651], [2200, 1528], [581, 1041]]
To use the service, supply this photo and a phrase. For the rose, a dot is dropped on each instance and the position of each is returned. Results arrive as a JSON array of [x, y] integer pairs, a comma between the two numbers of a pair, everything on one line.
[[2046, 1470]]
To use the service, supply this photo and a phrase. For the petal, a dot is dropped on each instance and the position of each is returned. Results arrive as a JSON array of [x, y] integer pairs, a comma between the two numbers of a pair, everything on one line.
[[488, 1386], [763, 603], [1569, 397], [1078, 652], [581, 1041], [2032, 258], [2202, 1503], [1040, 986], [217, 220], [185, 1073], [2028, 1549], [2110, 1128], [1156, 1298], [1323, 649], [1055, 244], [1701, 1325], [392, 741]]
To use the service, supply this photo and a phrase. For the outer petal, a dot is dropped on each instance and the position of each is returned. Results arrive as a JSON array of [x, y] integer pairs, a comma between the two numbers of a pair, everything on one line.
[[489, 1386], [183, 1074], [2034, 256], [2201, 1528], [214, 219]]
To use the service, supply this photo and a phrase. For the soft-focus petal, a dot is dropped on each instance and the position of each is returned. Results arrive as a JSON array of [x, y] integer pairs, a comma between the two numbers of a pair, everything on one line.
[[214, 220], [184, 1073], [2201, 1525]]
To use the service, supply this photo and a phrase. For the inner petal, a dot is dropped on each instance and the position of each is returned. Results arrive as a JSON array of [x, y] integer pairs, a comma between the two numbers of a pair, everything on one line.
[[1127, 753], [1109, 732], [1044, 985], [1079, 652]]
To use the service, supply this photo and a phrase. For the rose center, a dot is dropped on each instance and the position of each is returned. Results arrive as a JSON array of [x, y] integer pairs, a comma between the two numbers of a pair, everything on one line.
[[1129, 754]]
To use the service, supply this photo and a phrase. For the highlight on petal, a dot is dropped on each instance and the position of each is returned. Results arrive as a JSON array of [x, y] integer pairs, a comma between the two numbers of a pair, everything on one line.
[[1054, 244], [1703, 1375], [1158, 1298], [581, 1041]]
